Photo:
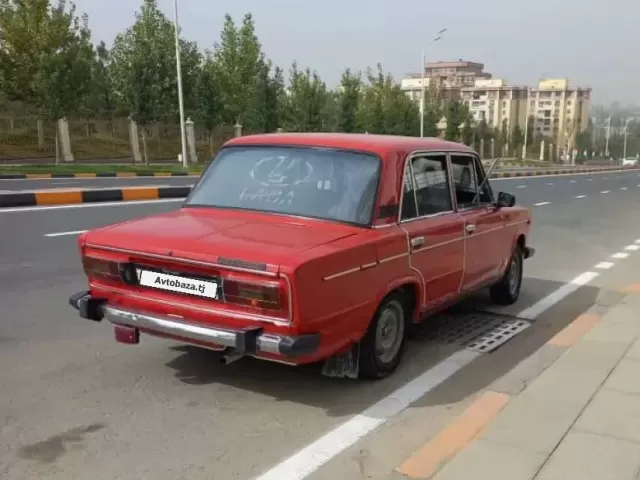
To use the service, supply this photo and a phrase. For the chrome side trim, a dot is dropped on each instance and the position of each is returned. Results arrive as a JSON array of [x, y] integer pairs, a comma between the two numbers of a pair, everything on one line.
[[436, 245], [519, 222], [219, 336], [394, 257], [363, 267], [478, 234], [187, 261], [464, 257], [342, 273], [209, 309]]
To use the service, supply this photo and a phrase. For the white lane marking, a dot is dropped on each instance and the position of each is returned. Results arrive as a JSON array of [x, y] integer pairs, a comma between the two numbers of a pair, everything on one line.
[[547, 302], [606, 178], [638, 185], [572, 181], [310, 458], [313, 456], [539, 204], [605, 191], [580, 196], [632, 248], [524, 186], [604, 265], [62, 234], [620, 255], [590, 179], [89, 205], [549, 183], [637, 241], [623, 188]]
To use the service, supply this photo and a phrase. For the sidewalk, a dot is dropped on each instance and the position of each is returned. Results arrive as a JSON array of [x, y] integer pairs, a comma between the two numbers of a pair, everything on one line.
[[578, 420]]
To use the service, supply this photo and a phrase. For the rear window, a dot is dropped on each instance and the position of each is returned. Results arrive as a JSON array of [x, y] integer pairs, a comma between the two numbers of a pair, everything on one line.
[[320, 183]]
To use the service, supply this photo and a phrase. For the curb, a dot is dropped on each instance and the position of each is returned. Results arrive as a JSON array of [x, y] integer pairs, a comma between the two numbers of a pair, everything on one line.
[[37, 176], [568, 171], [70, 197]]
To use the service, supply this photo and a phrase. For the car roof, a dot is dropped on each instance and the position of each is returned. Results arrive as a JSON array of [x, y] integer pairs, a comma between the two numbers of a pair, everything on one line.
[[381, 145]]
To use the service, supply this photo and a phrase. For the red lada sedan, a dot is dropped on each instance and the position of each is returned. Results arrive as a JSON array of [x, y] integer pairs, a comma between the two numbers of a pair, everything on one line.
[[300, 248]]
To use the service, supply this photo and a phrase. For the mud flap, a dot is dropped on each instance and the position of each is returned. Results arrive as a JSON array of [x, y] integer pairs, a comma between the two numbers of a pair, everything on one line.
[[345, 365]]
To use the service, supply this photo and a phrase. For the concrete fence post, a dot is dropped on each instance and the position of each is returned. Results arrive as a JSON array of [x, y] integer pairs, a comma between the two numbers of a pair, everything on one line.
[[134, 139], [65, 141], [279, 130], [191, 141], [482, 148], [238, 129]]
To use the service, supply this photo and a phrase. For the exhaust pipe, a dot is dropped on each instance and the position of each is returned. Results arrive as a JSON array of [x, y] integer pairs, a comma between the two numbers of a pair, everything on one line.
[[230, 358]]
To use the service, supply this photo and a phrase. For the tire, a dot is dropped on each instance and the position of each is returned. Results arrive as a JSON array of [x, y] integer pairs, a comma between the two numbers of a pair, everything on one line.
[[380, 356], [507, 290]]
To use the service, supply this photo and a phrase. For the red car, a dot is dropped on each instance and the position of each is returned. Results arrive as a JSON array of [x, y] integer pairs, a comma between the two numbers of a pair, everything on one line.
[[300, 248]]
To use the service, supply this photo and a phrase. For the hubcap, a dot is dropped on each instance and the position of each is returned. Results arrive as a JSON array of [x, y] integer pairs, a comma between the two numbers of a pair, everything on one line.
[[389, 332], [514, 274]]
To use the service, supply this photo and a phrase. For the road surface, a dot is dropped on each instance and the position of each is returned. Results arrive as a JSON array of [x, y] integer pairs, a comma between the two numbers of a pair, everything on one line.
[[77, 405]]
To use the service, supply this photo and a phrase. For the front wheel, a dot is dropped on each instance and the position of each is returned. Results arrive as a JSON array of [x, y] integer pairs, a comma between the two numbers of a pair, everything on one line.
[[507, 290], [382, 347]]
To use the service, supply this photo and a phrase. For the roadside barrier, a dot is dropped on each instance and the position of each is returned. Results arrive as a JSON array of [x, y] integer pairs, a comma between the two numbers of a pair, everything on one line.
[[36, 176], [69, 197]]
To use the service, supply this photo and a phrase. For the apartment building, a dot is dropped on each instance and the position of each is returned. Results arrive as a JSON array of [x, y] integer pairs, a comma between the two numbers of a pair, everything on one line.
[[560, 111], [495, 102], [458, 74], [444, 80]]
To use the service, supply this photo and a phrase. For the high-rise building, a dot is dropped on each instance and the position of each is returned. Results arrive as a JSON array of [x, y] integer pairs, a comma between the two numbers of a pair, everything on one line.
[[560, 111], [496, 102]]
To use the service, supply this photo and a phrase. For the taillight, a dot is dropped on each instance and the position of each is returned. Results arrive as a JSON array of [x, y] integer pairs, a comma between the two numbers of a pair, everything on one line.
[[267, 297], [100, 268]]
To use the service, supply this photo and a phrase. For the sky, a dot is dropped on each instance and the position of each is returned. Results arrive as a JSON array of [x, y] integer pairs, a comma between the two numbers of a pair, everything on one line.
[[591, 42]]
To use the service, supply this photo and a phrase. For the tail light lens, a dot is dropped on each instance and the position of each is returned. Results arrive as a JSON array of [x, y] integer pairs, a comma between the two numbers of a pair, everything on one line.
[[99, 268], [267, 297]]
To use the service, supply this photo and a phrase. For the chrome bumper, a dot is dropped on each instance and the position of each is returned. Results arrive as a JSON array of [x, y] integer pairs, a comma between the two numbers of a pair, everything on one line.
[[247, 341]]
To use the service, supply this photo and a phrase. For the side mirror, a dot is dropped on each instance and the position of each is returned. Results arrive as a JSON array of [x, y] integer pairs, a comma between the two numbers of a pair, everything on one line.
[[505, 200]]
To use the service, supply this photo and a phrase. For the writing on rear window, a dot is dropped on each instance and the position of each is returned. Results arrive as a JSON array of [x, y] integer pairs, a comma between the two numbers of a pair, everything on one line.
[[311, 182]]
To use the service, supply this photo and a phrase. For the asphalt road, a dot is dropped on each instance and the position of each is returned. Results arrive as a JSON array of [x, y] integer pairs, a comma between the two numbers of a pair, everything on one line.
[[76, 405]]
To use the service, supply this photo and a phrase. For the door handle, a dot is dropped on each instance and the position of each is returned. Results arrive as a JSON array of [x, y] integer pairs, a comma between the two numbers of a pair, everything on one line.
[[470, 228], [417, 242]]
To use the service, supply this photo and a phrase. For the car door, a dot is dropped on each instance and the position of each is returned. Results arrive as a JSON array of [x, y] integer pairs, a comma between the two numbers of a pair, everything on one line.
[[483, 222], [434, 231]]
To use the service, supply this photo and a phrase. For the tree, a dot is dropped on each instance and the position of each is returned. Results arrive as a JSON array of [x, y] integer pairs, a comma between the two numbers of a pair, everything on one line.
[[209, 101], [348, 98], [504, 137], [240, 66], [143, 69], [99, 101], [467, 130], [306, 101], [517, 139], [432, 116], [456, 113], [385, 109], [45, 55]]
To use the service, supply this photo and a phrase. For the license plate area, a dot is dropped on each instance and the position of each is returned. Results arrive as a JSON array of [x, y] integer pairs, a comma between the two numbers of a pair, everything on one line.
[[178, 282]]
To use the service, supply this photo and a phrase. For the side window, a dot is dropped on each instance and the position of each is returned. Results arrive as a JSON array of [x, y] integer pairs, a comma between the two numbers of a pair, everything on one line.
[[427, 177], [467, 175], [486, 195]]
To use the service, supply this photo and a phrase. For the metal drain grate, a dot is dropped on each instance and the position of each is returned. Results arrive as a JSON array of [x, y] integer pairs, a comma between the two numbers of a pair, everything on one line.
[[500, 334], [480, 332]]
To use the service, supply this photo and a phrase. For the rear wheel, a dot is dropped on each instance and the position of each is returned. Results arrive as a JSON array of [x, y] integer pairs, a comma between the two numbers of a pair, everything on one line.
[[382, 347], [507, 290]]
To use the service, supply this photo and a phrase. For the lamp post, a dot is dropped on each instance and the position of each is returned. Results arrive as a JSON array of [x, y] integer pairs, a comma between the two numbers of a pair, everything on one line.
[[526, 124], [183, 135], [435, 38]]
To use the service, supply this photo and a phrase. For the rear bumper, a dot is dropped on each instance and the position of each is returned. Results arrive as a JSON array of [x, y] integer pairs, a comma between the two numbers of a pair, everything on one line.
[[529, 252], [246, 341]]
